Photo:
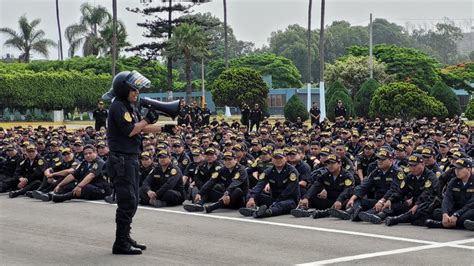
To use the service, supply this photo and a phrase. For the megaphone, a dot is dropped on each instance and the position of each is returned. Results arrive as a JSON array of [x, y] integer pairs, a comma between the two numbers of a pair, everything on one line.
[[169, 109]]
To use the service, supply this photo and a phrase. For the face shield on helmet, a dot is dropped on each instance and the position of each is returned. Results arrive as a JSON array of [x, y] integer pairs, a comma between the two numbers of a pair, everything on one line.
[[124, 82]]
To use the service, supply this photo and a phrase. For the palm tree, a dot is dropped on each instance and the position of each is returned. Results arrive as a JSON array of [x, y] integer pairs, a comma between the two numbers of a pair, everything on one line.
[[189, 43], [87, 32], [106, 42], [59, 31], [28, 39]]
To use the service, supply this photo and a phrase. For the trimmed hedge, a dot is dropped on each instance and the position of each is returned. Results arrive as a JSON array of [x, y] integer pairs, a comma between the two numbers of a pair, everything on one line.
[[294, 108], [52, 90]]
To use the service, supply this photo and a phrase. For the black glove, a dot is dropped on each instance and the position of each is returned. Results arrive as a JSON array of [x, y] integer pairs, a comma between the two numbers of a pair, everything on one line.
[[152, 116]]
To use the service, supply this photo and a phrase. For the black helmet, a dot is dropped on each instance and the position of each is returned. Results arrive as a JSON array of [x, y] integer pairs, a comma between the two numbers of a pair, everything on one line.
[[124, 82]]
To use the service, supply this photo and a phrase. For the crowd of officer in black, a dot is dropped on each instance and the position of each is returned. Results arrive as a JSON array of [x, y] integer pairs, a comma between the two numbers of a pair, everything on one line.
[[376, 171]]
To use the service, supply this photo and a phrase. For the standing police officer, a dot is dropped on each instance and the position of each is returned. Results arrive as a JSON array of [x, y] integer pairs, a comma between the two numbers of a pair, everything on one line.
[[100, 116], [123, 135]]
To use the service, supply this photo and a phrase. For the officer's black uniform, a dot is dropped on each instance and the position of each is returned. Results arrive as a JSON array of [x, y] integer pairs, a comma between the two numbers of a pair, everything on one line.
[[340, 111], [206, 114], [458, 201], [203, 174], [167, 184], [7, 172], [31, 170], [232, 182], [255, 116], [181, 161], [100, 116], [258, 166], [284, 190], [314, 111], [424, 191], [96, 189], [46, 187]]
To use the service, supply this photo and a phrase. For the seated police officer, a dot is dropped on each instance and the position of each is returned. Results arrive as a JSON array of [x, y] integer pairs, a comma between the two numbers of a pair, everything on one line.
[[368, 201], [29, 172], [86, 182], [458, 202], [418, 194], [226, 188], [337, 185], [164, 185], [55, 174], [204, 172], [284, 190], [7, 169]]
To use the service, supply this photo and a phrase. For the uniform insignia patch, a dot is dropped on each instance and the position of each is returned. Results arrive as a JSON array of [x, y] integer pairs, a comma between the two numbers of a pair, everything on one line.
[[95, 166], [347, 182], [261, 176], [218, 167], [438, 174], [157, 176], [402, 185], [254, 164], [215, 175], [40, 162], [185, 162], [127, 117], [173, 171], [469, 190], [400, 176], [22, 162], [56, 159], [292, 177], [427, 183], [237, 176], [58, 163], [456, 189]]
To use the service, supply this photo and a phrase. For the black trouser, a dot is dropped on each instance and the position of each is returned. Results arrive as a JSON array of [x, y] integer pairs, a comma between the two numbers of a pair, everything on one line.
[[98, 125], [123, 171], [254, 123], [321, 204], [468, 215], [171, 197], [7, 183], [277, 207], [237, 199], [88, 192]]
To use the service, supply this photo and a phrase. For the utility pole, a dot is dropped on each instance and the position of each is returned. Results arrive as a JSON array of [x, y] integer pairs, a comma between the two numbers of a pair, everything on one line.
[[308, 100], [226, 42], [322, 96], [371, 59], [114, 36]]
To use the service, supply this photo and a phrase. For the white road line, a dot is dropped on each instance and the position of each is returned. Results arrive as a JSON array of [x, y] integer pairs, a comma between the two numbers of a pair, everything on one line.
[[390, 252], [251, 220]]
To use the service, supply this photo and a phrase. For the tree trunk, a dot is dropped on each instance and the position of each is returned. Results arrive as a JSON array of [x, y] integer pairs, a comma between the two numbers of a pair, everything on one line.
[[169, 59], [308, 80], [226, 43], [189, 87], [321, 43], [59, 31], [114, 36]]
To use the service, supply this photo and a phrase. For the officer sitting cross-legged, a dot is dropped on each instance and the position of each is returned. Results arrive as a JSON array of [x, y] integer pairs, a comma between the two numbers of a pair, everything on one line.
[[226, 188], [164, 185], [284, 190]]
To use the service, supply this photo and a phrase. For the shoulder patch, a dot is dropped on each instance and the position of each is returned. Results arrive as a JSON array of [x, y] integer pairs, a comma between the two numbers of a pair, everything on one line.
[[400, 176], [56, 159], [255, 163], [347, 182], [402, 185], [40, 162], [58, 163], [215, 175], [261, 176], [292, 177], [173, 171], [438, 174], [237, 176], [127, 117], [427, 184], [185, 162]]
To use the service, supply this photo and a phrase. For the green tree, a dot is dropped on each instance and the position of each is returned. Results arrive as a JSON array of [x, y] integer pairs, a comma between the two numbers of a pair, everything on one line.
[[294, 108], [459, 76], [87, 32], [404, 64], [105, 42], [190, 43], [445, 95], [339, 36], [352, 71], [404, 100], [385, 32], [333, 87], [237, 85], [332, 103], [28, 39], [470, 110], [364, 96], [292, 43], [284, 73]]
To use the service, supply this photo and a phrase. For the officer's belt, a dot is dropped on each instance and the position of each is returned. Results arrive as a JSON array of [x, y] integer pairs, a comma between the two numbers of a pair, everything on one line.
[[125, 155]]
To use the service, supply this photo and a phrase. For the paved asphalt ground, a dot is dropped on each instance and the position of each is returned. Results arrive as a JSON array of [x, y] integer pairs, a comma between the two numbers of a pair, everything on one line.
[[81, 233]]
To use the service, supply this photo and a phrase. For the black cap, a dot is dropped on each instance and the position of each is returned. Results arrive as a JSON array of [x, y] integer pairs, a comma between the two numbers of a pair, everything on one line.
[[415, 159], [463, 163]]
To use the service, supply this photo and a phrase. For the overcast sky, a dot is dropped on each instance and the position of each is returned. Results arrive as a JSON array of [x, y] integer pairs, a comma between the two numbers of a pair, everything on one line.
[[252, 20]]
